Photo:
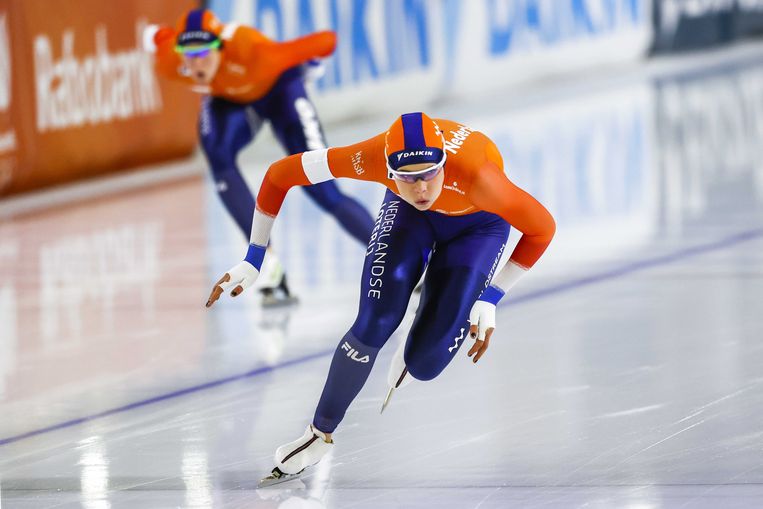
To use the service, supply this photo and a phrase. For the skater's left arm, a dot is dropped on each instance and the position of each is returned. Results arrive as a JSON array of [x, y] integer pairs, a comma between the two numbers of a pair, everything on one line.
[[298, 51], [492, 191]]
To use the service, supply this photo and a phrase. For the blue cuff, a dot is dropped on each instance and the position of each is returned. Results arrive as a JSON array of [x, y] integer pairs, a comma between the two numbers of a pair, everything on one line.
[[492, 295], [255, 255]]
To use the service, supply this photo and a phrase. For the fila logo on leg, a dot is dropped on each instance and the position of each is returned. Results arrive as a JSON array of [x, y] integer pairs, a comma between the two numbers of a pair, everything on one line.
[[459, 338], [354, 354]]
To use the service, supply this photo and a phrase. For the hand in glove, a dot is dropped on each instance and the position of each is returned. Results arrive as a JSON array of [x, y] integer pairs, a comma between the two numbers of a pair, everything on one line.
[[240, 277], [482, 321]]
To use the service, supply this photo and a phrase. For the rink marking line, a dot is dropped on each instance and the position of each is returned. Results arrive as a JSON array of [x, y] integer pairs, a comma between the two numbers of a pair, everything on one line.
[[170, 395], [538, 294], [638, 266]]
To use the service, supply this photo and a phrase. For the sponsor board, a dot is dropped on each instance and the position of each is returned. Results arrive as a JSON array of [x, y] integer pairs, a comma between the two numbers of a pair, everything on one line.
[[693, 24], [97, 88], [7, 132], [91, 101], [749, 18], [5, 64], [399, 54], [8, 137], [709, 130]]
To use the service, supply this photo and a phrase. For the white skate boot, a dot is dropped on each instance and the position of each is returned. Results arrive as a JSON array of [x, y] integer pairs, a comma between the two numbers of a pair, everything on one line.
[[398, 375], [291, 459]]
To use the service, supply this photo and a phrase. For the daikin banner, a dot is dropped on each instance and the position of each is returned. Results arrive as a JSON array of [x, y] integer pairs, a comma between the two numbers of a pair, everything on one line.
[[395, 55]]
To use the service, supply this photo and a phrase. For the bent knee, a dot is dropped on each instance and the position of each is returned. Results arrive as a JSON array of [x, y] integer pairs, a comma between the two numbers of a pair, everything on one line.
[[430, 351], [424, 360], [375, 331], [425, 369]]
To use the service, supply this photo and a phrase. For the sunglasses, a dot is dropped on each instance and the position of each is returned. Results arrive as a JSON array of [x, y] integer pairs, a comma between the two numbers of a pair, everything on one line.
[[410, 177], [197, 50]]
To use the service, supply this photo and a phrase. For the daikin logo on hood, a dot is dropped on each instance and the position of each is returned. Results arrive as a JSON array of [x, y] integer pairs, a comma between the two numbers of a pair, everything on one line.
[[5, 64]]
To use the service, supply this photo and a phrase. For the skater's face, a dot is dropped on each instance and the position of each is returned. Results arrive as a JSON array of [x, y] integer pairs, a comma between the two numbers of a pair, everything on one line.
[[421, 193], [203, 66]]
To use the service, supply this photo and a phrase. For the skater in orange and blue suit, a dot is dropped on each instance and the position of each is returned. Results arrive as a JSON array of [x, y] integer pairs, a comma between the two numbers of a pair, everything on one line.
[[248, 79], [448, 209]]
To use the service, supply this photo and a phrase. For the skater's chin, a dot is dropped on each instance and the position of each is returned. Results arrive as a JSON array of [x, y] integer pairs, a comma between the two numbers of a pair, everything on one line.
[[422, 204]]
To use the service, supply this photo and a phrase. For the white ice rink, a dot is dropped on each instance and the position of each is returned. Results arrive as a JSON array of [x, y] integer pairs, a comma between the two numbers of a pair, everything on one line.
[[626, 370]]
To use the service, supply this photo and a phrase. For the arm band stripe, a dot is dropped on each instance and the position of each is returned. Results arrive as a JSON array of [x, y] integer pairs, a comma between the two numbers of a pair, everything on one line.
[[316, 166]]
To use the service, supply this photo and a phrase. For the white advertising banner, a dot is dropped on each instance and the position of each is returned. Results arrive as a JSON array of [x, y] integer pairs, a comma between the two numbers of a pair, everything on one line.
[[396, 55]]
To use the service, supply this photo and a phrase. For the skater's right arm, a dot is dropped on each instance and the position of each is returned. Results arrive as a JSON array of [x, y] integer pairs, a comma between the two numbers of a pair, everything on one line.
[[361, 161]]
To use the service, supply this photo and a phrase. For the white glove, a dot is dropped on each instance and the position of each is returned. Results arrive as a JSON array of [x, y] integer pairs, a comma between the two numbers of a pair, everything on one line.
[[243, 275], [482, 325], [149, 32], [482, 316]]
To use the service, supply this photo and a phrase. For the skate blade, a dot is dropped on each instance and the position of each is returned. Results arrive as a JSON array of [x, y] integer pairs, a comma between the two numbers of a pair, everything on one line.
[[278, 477], [386, 400], [276, 302]]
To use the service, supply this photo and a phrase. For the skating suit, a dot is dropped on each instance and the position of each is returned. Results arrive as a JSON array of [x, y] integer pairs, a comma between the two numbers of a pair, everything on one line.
[[260, 80], [459, 241]]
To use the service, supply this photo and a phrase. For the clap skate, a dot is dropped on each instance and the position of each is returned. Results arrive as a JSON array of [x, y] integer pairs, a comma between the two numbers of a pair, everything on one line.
[[273, 287], [397, 376], [293, 458]]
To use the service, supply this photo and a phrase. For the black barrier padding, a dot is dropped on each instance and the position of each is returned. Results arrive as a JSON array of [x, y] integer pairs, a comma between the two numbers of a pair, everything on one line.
[[676, 30]]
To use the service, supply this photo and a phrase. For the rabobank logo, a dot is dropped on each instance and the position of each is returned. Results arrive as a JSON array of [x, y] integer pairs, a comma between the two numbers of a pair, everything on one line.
[[73, 90], [7, 138], [5, 64]]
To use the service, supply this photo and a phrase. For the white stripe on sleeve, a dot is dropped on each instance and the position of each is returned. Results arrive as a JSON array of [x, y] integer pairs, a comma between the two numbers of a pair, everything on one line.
[[316, 166], [508, 276], [148, 38], [261, 226]]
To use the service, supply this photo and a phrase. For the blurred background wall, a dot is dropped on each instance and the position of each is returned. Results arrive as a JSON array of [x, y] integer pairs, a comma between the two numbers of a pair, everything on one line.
[[78, 97]]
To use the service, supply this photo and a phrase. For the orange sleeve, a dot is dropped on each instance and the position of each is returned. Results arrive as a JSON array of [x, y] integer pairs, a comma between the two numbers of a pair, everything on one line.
[[280, 177], [302, 49], [493, 192], [167, 60], [360, 161]]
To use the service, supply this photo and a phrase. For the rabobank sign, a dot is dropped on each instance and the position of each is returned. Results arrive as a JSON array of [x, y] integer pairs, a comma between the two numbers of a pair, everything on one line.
[[8, 137], [5, 64]]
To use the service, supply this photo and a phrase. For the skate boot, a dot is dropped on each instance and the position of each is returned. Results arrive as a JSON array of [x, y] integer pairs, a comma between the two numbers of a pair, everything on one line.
[[293, 458], [398, 375], [274, 289]]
